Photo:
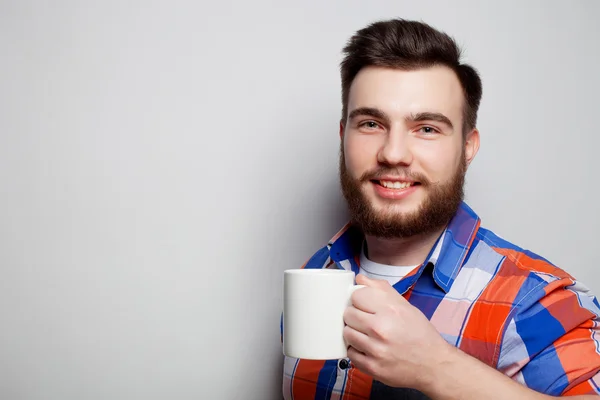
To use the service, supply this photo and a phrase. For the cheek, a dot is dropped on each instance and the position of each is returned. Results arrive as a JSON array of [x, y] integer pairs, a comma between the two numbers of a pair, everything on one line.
[[361, 154], [438, 162]]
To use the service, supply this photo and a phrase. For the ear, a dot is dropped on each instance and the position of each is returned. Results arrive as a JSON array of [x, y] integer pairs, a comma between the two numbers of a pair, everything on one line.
[[342, 129], [471, 145]]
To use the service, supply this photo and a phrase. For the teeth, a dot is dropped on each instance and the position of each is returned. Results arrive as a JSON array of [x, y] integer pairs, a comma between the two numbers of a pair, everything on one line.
[[395, 185]]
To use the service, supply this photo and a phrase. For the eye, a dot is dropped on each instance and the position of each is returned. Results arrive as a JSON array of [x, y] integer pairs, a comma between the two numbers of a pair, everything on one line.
[[369, 125], [428, 130]]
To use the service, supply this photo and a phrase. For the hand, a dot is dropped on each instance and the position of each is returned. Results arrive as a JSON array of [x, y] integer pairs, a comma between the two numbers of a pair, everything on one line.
[[390, 339]]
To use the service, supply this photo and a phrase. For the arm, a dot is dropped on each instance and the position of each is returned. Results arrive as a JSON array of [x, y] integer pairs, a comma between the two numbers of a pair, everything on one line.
[[396, 344], [450, 380]]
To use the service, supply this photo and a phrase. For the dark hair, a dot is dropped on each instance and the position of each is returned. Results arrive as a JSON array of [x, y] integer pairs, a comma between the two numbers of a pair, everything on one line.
[[409, 45]]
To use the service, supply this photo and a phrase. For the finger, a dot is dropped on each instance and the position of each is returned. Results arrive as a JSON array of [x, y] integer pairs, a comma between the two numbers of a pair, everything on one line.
[[356, 339], [358, 319], [359, 360], [369, 299]]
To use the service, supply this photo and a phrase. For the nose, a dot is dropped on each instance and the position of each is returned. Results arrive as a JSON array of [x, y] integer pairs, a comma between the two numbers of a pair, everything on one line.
[[395, 150]]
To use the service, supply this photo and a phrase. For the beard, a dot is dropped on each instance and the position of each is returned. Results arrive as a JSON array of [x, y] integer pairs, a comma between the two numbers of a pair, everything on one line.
[[436, 210]]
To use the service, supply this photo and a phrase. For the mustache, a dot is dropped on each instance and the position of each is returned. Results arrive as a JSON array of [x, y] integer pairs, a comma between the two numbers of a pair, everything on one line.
[[400, 173]]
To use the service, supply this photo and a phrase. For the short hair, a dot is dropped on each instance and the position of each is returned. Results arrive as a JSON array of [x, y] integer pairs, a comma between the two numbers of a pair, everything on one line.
[[409, 45]]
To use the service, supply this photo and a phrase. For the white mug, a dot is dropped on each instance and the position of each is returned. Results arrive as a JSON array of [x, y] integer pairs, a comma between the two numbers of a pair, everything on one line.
[[314, 301]]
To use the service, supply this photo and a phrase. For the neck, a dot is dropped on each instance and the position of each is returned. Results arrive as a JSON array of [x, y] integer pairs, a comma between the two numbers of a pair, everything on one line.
[[401, 251]]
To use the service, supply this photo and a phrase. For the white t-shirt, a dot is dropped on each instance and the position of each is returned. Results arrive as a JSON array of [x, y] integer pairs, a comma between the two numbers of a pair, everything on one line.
[[373, 270]]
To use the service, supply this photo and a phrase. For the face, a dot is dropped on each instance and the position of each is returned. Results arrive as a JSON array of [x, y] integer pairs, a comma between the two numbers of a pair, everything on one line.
[[403, 153]]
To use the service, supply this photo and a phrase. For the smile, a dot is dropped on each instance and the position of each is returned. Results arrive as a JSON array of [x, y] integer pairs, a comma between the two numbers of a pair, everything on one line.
[[394, 189], [395, 184]]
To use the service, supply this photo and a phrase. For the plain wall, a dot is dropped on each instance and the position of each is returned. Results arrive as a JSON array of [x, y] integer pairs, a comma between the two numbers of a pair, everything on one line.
[[161, 164]]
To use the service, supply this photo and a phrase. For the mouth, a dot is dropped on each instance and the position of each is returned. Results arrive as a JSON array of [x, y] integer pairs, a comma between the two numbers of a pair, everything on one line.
[[395, 184]]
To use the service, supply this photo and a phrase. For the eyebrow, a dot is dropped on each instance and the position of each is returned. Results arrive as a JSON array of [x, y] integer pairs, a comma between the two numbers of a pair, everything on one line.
[[430, 116], [415, 117], [370, 112]]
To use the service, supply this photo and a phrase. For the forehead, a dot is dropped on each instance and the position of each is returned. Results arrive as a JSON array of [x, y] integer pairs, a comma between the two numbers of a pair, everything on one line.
[[399, 92]]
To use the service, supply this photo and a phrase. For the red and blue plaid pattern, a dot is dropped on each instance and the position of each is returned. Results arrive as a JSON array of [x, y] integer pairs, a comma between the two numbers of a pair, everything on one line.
[[506, 306]]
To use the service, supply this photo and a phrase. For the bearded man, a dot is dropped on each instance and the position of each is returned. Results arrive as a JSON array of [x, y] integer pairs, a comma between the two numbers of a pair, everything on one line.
[[450, 310]]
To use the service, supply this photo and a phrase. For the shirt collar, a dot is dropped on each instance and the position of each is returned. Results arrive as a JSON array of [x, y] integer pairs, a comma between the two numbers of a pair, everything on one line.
[[446, 256]]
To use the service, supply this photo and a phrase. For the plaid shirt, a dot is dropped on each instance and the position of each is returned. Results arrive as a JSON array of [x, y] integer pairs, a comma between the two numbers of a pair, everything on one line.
[[506, 306]]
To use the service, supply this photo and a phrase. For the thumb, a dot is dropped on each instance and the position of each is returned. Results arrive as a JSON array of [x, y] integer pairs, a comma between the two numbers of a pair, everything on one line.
[[365, 280], [362, 280], [374, 283]]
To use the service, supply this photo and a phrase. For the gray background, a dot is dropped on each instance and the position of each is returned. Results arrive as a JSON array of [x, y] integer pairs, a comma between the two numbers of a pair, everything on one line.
[[161, 164]]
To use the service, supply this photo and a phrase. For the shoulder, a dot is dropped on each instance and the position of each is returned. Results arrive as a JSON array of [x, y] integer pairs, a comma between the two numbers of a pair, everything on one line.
[[534, 289], [344, 245], [319, 259], [528, 285], [525, 261]]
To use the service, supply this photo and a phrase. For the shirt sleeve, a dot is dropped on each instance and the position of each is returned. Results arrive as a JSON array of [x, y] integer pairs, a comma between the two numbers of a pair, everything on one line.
[[591, 386], [551, 343]]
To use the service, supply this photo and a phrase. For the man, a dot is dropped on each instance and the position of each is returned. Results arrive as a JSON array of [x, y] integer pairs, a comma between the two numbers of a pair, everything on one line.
[[450, 311]]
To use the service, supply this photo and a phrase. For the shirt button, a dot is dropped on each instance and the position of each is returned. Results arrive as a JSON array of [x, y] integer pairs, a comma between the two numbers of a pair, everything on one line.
[[343, 364]]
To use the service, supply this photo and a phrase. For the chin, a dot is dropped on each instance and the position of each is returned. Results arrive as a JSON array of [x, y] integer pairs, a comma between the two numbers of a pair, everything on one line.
[[395, 209], [397, 212], [401, 206]]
